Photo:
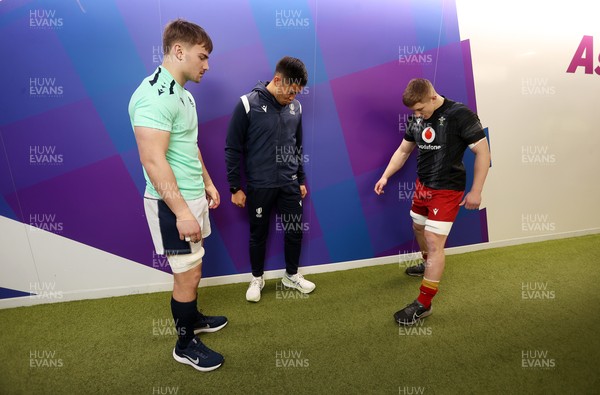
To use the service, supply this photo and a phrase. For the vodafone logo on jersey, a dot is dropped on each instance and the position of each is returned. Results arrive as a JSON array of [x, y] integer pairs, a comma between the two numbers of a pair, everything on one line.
[[428, 134]]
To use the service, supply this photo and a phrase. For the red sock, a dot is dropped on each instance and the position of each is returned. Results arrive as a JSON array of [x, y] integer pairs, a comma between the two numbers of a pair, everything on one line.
[[428, 290]]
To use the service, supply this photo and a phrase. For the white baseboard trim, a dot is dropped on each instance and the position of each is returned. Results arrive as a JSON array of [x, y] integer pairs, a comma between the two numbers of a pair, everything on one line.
[[521, 240], [60, 296], [272, 274]]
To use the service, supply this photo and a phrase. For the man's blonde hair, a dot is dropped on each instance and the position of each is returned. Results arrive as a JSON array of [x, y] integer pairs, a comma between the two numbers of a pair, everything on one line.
[[418, 90]]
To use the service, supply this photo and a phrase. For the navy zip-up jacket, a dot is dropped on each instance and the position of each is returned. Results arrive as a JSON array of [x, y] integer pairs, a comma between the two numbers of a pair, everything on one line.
[[269, 137]]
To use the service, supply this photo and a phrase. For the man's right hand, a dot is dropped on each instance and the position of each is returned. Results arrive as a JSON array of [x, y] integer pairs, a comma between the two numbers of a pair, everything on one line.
[[380, 185], [189, 227], [239, 198]]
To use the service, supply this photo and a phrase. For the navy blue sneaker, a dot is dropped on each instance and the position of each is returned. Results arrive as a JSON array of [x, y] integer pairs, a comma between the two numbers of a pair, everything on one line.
[[207, 323], [412, 313], [198, 356]]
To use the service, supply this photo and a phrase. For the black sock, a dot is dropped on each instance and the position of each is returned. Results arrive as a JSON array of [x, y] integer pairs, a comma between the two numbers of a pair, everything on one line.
[[199, 315], [185, 315]]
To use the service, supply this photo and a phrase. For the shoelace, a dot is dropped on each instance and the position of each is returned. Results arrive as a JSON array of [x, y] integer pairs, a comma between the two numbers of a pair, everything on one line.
[[296, 277], [420, 266], [206, 319], [412, 308], [255, 282], [201, 349]]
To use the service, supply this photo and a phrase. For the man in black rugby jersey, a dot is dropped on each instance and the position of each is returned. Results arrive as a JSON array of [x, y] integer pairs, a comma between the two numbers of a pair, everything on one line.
[[442, 130]]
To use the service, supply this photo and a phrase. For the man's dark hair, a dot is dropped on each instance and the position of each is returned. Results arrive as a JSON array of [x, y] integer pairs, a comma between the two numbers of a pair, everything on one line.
[[185, 32], [292, 71]]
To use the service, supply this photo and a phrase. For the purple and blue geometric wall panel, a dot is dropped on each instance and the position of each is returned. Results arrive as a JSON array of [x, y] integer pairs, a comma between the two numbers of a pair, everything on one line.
[[45, 81], [468, 220], [6, 293], [6, 183], [105, 42], [56, 142], [387, 215], [104, 58], [118, 129], [68, 151], [243, 67], [97, 205], [324, 143], [216, 260], [369, 103], [285, 30], [6, 210], [131, 160], [144, 30], [449, 74], [469, 79], [435, 26], [342, 220], [356, 35]]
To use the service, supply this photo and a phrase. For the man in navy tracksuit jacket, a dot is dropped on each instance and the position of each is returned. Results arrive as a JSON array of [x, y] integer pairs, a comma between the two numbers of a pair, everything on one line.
[[266, 130]]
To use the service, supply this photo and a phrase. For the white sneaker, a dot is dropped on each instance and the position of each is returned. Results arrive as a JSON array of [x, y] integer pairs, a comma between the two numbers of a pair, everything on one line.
[[253, 292], [297, 281]]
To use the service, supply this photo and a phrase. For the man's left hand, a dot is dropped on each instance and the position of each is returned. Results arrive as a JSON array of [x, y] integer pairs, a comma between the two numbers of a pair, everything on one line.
[[303, 191], [471, 201], [213, 196]]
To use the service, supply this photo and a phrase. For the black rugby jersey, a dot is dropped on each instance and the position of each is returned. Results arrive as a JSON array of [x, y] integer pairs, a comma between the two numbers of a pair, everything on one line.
[[442, 140]]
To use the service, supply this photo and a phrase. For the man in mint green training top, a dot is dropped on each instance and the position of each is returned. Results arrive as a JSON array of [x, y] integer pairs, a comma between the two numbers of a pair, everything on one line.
[[179, 190]]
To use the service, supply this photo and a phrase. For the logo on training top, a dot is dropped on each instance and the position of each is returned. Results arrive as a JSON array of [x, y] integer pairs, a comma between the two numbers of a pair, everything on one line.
[[441, 120], [259, 212], [292, 109], [264, 108], [428, 134]]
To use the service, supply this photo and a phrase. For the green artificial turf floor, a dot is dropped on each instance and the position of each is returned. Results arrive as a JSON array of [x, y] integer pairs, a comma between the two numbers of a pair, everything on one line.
[[514, 320]]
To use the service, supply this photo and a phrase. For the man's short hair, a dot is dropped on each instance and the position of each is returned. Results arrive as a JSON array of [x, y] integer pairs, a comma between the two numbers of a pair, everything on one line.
[[418, 90], [186, 32], [292, 70]]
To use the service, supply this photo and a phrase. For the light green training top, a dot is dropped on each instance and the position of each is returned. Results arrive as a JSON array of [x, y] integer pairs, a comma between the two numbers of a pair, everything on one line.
[[161, 103]]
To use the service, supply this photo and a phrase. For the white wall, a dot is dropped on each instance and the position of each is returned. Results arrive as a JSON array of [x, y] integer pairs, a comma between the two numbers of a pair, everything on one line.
[[521, 51]]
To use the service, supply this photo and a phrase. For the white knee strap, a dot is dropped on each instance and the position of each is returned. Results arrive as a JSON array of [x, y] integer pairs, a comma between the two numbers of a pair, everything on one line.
[[183, 263]]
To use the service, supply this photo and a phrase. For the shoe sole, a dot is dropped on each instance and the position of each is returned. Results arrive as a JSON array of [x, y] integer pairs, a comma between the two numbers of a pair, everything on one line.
[[426, 314], [289, 284], [209, 330], [186, 361]]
